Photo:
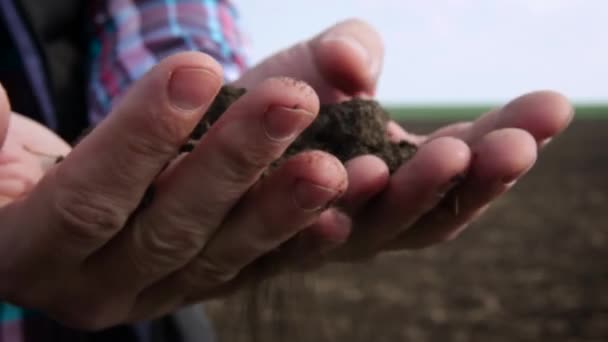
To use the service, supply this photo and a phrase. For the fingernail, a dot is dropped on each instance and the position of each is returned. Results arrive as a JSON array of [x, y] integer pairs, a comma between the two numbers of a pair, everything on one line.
[[351, 42], [313, 197], [354, 45], [283, 123], [189, 88]]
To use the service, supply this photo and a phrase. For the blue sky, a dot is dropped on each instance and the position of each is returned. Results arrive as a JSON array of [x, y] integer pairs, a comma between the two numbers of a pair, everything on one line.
[[458, 51]]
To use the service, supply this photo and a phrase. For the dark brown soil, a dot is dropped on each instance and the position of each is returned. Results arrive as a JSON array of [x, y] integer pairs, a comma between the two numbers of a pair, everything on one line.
[[534, 268], [346, 130]]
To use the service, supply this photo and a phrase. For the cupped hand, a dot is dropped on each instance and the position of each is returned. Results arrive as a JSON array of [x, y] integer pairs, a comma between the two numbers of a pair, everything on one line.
[[457, 173], [76, 243]]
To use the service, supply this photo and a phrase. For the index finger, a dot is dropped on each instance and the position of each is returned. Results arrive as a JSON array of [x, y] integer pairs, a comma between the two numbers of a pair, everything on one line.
[[89, 197]]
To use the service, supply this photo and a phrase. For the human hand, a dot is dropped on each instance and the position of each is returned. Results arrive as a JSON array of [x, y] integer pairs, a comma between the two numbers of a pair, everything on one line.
[[79, 247], [469, 164], [27, 151]]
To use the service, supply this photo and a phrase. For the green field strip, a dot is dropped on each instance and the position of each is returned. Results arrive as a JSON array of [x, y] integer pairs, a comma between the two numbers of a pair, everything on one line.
[[462, 112]]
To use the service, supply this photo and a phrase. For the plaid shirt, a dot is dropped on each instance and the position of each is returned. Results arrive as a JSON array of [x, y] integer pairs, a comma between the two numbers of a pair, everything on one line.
[[133, 35], [130, 37]]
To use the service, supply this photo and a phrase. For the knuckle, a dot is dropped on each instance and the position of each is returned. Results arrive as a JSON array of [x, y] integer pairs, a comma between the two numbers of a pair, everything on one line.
[[154, 144], [159, 135], [166, 125], [206, 272], [243, 161], [173, 128], [166, 245], [86, 214]]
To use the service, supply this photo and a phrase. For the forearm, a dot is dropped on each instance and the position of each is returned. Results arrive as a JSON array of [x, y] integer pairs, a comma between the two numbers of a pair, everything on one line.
[[130, 37]]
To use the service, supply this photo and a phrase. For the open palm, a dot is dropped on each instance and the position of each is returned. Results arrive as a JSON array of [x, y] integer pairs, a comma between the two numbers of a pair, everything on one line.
[[473, 162]]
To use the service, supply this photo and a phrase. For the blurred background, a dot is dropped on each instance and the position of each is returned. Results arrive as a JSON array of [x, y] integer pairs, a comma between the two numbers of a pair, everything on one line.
[[457, 51], [535, 267]]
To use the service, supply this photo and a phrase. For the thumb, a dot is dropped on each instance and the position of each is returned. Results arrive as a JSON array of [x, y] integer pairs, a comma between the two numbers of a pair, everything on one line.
[[343, 61]]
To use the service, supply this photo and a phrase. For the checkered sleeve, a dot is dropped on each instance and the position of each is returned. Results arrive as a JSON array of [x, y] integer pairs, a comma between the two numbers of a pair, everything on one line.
[[131, 36]]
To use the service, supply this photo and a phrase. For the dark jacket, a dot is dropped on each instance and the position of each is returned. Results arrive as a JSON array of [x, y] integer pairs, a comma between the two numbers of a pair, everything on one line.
[[59, 35]]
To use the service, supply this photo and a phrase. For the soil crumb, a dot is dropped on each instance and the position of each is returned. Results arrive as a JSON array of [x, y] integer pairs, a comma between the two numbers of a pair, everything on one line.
[[345, 130]]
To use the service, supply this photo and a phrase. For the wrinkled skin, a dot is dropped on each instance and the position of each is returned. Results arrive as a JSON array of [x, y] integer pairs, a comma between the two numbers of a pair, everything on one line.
[[72, 240]]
